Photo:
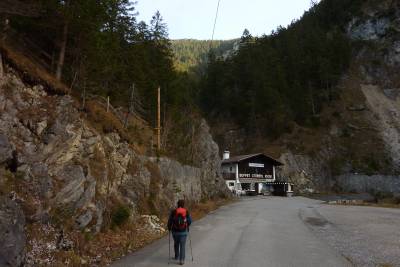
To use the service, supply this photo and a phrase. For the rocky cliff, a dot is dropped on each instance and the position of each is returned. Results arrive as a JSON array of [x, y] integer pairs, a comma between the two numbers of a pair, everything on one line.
[[360, 149], [356, 143], [59, 175]]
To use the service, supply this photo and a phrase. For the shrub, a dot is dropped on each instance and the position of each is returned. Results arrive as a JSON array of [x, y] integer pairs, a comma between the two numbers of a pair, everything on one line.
[[120, 215]]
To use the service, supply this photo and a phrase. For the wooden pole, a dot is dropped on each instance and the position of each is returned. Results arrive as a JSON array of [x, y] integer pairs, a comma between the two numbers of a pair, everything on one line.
[[159, 118], [108, 103]]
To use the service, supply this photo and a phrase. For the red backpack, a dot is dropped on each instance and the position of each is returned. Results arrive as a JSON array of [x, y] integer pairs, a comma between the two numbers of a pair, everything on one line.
[[180, 220]]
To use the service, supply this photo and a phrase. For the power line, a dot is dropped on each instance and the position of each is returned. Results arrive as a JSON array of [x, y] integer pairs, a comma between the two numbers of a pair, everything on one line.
[[215, 21]]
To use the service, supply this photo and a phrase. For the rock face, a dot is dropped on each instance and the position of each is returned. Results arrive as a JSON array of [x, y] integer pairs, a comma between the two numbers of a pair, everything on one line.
[[374, 183], [74, 172], [12, 242], [5, 149], [375, 111], [308, 174], [380, 25]]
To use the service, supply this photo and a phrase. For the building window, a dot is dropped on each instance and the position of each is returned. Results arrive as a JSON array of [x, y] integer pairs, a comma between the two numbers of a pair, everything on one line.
[[230, 168], [231, 184]]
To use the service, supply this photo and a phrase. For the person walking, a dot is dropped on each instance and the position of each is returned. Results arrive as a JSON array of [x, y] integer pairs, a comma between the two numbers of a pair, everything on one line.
[[178, 223]]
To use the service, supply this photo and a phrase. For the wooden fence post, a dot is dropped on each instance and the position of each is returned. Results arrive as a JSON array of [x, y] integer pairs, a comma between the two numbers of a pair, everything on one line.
[[108, 103]]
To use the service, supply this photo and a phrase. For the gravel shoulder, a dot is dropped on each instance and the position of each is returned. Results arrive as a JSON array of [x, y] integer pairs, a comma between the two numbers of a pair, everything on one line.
[[367, 236]]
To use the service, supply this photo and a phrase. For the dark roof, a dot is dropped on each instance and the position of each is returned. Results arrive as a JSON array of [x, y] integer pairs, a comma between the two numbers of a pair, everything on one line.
[[240, 158]]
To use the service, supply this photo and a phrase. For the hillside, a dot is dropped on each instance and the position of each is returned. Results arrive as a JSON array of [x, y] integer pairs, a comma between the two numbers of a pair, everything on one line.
[[321, 94], [191, 53], [77, 188], [81, 180]]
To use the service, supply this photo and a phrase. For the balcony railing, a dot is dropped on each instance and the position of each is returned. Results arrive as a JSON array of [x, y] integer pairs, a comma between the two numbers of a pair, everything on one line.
[[229, 176]]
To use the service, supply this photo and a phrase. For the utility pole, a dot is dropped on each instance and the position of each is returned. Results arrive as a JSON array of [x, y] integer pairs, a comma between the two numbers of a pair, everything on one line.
[[159, 119]]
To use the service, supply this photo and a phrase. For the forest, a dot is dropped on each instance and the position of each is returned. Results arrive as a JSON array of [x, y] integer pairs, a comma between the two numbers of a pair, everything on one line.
[[284, 77], [189, 53]]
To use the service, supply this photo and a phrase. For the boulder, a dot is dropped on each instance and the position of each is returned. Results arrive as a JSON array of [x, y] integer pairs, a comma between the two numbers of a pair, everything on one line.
[[84, 219], [74, 181]]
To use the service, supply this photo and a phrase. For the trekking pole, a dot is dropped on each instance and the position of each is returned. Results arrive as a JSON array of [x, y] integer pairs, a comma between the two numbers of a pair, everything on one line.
[[190, 243], [169, 247]]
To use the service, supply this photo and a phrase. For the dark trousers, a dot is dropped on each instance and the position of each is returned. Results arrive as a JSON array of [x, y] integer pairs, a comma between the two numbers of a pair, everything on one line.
[[179, 246]]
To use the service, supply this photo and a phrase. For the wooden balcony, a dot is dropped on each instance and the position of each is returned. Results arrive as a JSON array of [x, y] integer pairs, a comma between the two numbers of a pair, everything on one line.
[[229, 176]]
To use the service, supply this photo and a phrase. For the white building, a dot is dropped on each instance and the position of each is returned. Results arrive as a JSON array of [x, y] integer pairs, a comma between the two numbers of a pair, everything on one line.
[[253, 173]]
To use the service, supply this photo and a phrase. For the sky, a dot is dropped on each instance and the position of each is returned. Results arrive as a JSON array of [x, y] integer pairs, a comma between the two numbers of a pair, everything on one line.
[[195, 18]]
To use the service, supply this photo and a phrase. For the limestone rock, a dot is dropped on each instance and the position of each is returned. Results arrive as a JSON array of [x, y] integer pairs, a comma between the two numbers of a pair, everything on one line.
[[13, 239], [5, 149], [84, 219], [371, 29], [74, 179]]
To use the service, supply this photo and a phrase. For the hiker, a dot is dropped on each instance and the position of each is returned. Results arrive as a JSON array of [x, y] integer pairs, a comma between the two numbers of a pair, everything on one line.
[[178, 223]]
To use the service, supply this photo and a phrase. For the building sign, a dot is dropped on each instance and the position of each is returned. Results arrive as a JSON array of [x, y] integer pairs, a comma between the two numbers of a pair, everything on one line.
[[255, 176], [256, 165]]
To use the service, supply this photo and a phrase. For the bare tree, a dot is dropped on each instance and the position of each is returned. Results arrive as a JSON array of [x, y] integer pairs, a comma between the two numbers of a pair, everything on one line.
[[63, 48], [63, 44]]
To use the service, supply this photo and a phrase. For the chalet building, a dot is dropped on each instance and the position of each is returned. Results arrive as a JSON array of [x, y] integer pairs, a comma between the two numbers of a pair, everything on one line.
[[253, 174]]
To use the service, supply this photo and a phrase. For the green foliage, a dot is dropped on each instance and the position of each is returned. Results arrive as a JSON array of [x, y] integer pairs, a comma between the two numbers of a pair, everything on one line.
[[286, 76], [120, 215]]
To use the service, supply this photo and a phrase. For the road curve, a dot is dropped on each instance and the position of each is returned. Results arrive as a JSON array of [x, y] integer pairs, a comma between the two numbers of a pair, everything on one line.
[[254, 232]]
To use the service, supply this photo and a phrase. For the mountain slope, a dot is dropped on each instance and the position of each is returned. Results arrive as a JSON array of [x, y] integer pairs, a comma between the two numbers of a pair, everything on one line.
[[321, 94]]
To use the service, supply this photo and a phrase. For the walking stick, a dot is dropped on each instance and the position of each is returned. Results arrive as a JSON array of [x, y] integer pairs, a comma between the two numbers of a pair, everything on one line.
[[169, 247], [190, 243]]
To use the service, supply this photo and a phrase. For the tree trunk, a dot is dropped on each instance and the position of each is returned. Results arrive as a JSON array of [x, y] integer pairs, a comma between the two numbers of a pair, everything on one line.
[[1, 66], [63, 48], [2, 40]]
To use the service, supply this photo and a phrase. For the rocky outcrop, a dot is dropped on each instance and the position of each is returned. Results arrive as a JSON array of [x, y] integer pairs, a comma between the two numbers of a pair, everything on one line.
[[13, 239], [308, 174], [76, 174], [387, 109], [379, 61]]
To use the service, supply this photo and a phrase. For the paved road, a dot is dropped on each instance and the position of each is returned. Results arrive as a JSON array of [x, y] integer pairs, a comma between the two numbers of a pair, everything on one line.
[[250, 233]]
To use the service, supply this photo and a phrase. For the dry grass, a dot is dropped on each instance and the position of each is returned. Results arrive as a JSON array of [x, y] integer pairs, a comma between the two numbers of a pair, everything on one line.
[[31, 72], [201, 210], [106, 122]]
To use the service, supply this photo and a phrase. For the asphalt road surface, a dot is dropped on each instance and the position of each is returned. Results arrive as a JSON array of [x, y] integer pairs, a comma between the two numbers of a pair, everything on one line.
[[282, 232]]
